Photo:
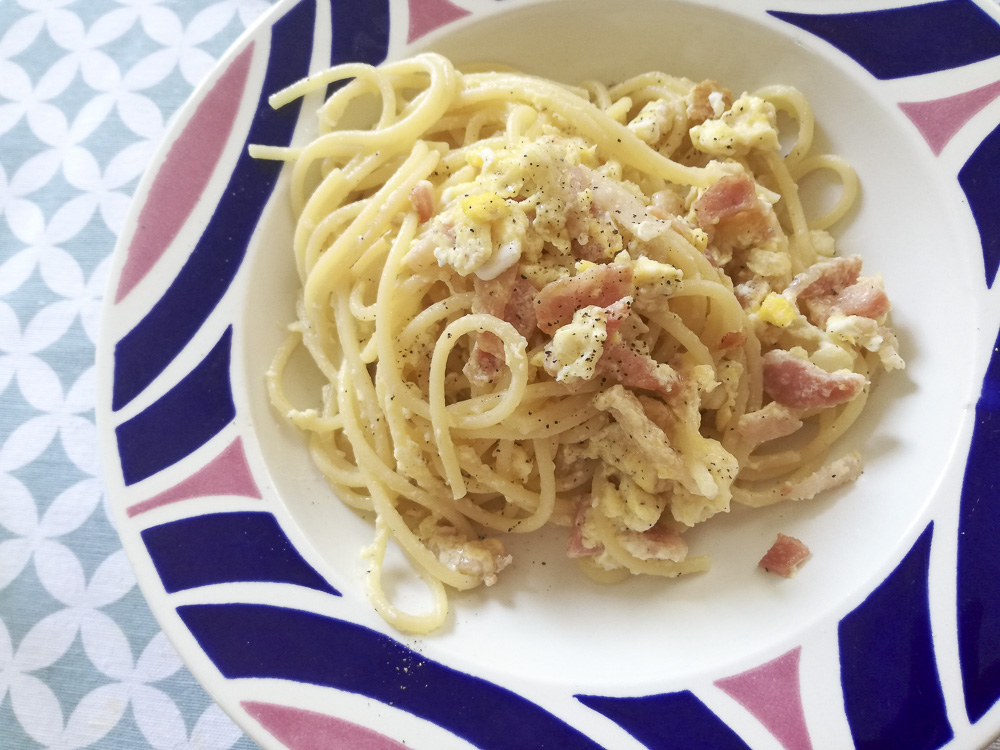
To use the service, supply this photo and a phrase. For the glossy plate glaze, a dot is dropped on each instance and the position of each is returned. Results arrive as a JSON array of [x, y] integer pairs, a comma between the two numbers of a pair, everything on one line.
[[888, 638]]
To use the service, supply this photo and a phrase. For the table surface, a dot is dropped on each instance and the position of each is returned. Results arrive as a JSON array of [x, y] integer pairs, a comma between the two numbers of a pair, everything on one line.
[[87, 89]]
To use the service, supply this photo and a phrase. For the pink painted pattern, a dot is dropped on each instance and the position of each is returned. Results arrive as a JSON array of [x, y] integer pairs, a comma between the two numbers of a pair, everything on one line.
[[190, 162], [771, 693], [939, 119], [298, 729], [428, 15], [226, 474]]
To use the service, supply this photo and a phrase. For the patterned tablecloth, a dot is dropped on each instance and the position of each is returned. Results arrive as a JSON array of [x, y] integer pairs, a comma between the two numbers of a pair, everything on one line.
[[87, 89]]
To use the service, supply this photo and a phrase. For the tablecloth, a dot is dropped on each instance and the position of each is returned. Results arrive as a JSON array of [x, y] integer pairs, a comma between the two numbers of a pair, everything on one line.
[[87, 89]]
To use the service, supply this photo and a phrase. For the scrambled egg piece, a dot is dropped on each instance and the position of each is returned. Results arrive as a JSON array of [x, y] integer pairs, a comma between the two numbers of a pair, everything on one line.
[[831, 357], [472, 248], [653, 121], [652, 276], [690, 509], [615, 449], [479, 233], [699, 238], [598, 232], [729, 373], [777, 311], [717, 100], [856, 329], [534, 172], [768, 260], [627, 502], [750, 123], [822, 242], [484, 207], [577, 346], [505, 256], [867, 333], [520, 464], [484, 230]]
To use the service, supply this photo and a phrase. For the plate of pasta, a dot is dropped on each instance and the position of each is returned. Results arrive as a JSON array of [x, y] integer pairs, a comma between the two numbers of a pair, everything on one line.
[[559, 374]]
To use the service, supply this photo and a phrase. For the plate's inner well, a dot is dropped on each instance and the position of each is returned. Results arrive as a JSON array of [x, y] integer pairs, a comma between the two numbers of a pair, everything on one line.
[[544, 618]]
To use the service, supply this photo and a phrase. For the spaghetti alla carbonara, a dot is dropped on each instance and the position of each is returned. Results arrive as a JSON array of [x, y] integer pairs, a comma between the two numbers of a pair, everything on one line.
[[598, 307]]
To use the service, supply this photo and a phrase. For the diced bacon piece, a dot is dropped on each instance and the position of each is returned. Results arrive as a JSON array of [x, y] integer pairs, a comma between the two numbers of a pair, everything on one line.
[[635, 369], [483, 365], [734, 218], [800, 384], [520, 308], [818, 311], [745, 229], [701, 107], [785, 557], [617, 313], [422, 200], [770, 423], [508, 297], [592, 250], [732, 339], [577, 545], [828, 277], [491, 298], [656, 543], [865, 298], [729, 196], [602, 286], [842, 471]]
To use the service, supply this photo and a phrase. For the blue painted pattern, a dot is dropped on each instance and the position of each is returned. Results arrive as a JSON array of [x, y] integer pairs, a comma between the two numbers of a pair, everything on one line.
[[978, 561], [360, 31], [671, 721], [157, 339], [182, 420], [250, 640], [908, 41], [227, 548], [981, 183], [892, 693]]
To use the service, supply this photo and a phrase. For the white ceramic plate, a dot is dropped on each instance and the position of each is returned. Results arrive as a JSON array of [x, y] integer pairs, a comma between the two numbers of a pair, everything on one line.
[[889, 637]]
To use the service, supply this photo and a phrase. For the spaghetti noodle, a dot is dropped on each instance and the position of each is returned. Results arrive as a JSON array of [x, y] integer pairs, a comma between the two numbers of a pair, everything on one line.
[[598, 307]]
